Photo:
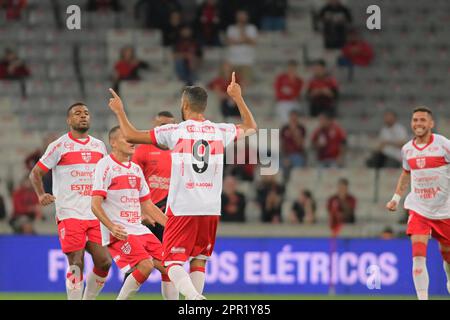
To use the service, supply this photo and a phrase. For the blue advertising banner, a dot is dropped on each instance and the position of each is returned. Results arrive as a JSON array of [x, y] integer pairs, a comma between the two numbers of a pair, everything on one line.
[[246, 265]]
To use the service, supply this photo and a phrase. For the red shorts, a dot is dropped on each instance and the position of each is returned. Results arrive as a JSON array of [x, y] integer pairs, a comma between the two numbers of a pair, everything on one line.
[[189, 236], [74, 233], [128, 253], [420, 225]]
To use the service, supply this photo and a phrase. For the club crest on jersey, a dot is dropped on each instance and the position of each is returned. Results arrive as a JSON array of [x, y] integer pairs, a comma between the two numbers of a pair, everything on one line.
[[86, 156], [132, 181], [421, 162], [126, 248]]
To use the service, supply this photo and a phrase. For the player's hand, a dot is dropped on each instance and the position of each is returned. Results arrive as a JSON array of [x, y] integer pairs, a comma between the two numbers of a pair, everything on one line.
[[234, 89], [392, 205], [119, 232], [46, 199], [115, 103], [146, 219]]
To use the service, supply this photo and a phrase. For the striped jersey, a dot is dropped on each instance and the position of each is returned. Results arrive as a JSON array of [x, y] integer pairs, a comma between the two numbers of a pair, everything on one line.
[[197, 164], [72, 162], [429, 166], [123, 187]]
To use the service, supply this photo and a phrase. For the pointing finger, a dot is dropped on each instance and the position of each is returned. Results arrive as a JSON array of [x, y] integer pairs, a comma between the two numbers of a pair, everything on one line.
[[115, 95], [233, 77]]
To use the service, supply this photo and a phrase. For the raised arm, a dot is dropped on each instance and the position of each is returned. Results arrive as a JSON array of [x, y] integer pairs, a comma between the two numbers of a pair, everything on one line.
[[402, 186], [36, 175], [248, 126], [131, 134], [117, 230]]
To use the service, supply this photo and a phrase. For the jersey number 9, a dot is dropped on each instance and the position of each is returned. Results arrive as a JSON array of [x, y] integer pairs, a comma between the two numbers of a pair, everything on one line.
[[200, 152]]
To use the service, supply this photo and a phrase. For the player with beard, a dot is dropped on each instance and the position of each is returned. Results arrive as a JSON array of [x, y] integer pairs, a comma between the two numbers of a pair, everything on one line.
[[426, 166], [72, 159], [194, 201]]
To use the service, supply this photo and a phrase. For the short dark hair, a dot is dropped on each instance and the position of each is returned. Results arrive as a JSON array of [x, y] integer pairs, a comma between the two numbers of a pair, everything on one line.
[[343, 181], [197, 97], [76, 104], [112, 132], [166, 114], [423, 109]]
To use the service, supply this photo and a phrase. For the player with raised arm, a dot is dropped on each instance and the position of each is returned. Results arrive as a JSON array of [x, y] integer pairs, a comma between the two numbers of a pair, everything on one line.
[[72, 159], [120, 198], [426, 166], [193, 205], [155, 162]]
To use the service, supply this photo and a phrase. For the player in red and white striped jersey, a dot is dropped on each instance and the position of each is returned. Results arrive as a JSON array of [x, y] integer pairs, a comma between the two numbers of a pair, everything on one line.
[[193, 207], [72, 159], [426, 166], [120, 197]]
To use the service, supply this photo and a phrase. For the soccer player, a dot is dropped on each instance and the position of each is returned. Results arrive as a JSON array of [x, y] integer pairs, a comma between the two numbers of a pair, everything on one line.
[[426, 166], [155, 162], [120, 197], [193, 205], [72, 159]]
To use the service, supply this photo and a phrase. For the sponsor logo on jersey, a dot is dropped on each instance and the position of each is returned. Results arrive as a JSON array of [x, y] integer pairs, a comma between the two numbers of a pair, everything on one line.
[[117, 169], [203, 129], [132, 180], [69, 145], [421, 162], [86, 156], [190, 185], [177, 250], [126, 248]]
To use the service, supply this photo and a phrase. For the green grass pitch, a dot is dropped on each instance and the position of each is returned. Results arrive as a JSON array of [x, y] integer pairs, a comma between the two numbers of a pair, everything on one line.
[[144, 296]]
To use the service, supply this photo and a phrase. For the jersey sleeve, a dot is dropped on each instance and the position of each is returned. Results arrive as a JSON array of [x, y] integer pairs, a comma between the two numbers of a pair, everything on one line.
[[103, 149], [51, 156], [102, 179], [144, 191], [446, 147], [229, 132], [405, 163], [166, 135]]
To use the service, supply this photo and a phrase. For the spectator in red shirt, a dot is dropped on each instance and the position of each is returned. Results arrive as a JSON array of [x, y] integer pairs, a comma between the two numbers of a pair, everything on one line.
[[322, 90], [329, 141], [219, 85], [13, 8], [128, 66], [26, 208], [187, 53], [356, 52], [293, 137], [11, 67], [233, 202], [341, 207], [288, 88], [208, 23]]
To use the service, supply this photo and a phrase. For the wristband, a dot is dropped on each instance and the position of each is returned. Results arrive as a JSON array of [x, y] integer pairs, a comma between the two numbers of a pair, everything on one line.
[[396, 198]]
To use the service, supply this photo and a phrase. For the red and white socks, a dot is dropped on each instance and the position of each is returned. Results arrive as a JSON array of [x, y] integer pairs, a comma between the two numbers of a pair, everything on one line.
[[183, 283], [420, 272], [94, 284], [198, 278], [131, 285], [74, 283], [168, 289]]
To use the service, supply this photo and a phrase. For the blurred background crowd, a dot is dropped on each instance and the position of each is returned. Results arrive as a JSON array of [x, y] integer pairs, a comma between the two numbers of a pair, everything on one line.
[[339, 94]]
